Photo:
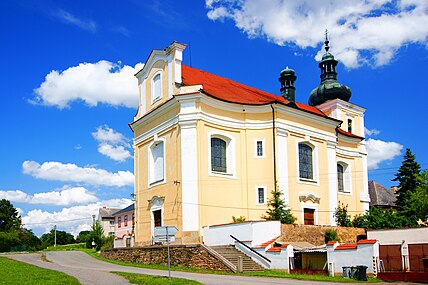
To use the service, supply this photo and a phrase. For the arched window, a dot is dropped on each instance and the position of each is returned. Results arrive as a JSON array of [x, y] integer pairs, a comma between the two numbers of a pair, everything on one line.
[[340, 180], [157, 162], [305, 162], [156, 87], [218, 155]]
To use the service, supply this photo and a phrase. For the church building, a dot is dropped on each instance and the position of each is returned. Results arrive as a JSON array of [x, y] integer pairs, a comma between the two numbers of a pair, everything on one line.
[[208, 148]]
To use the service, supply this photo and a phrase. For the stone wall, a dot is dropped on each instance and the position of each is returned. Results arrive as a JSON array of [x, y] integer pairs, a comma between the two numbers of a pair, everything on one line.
[[315, 234], [194, 256]]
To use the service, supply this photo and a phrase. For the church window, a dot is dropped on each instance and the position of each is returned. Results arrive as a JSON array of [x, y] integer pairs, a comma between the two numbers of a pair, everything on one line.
[[156, 87], [218, 155], [350, 125], [305, 161], [340, 171], [157, 162], [259, 148], [261, 195]]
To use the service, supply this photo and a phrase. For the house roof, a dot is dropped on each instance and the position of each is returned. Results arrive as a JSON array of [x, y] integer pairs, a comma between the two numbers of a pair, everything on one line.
[[234, 92], [124, 210], [107, 212], [380, 196]]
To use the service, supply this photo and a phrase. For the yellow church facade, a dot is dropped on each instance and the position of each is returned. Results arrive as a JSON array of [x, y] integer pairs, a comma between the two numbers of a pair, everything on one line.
[[208, 148]]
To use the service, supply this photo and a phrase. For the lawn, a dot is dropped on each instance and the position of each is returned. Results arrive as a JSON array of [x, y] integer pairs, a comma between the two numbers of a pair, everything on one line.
[[19, 273], [155, 280]]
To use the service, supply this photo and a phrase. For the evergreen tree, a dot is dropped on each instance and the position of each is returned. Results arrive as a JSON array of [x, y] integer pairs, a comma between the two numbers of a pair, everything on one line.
[[407, 178], [278, 210]]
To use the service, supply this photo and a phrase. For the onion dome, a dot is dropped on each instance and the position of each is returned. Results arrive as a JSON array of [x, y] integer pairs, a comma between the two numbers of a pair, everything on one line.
[[329, 87], [287, 78]]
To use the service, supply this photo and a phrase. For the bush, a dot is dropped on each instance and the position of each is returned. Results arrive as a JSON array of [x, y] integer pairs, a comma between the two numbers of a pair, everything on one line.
[[331, 235]]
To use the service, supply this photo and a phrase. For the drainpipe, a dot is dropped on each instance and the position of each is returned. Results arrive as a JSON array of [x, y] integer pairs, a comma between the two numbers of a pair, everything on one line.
[[274, 147]]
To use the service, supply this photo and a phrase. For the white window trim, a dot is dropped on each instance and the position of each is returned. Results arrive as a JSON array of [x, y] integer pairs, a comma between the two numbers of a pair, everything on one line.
[[152, 218], [315, 164], [347, 178], [263, 148], [264, 193], [306, 205], [150, 163], [230, 155], [155, 99]]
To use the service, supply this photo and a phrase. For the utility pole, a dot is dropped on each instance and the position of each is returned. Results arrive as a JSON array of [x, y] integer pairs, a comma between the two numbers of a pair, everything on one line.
[[55, 237]]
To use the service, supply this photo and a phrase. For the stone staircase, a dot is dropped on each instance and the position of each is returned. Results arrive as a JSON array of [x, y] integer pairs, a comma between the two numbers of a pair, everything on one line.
[[233, 255]]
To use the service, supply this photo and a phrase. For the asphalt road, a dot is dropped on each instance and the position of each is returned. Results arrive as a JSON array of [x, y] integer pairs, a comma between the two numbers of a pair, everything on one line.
[[90, 271]]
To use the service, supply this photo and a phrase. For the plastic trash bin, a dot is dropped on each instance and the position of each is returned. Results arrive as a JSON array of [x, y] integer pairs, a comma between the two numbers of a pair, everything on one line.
[[352, 272], [346, 271], [361, 273]]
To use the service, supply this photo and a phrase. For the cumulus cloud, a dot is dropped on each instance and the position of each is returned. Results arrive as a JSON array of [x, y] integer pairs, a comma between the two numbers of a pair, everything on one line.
[[112, 144], [63, 197], [361, 32], [69, 18], [72, 173], [380, 151], [93, 83], [72, 219]]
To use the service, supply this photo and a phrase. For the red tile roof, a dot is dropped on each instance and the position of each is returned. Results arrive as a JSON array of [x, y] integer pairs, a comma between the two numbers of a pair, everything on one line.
[[346, 246], [234, 92], [366, 241], [348, 134], [265, 244], [277, 248], [331, 243]]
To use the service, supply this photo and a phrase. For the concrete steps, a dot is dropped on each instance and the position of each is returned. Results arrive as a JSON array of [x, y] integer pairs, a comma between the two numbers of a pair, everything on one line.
[[233, 255]]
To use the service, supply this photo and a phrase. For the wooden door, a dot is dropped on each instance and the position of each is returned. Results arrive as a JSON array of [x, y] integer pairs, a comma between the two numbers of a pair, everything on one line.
[[309, 216], [157, 217]]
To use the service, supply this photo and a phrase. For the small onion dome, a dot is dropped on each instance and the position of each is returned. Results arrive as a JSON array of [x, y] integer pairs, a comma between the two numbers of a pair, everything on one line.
[[287, 71]]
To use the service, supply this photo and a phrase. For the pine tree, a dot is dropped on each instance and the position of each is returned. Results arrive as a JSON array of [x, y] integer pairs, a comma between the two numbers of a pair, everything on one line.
[[407, 177], [278, 210]]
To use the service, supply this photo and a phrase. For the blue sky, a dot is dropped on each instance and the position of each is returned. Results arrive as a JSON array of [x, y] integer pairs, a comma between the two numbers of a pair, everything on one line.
[[68, 91]]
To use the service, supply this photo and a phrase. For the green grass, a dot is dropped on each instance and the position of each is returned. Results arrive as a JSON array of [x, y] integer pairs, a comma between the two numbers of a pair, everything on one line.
[[155, 280], [315, 277], [19, 273], [73, 246]]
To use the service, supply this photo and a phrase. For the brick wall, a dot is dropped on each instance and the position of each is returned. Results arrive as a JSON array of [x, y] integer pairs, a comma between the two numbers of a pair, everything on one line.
[[315, 234], [193, 256]]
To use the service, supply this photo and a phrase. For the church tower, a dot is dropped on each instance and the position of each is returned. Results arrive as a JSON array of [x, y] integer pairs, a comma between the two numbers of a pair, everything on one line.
[[287, 78], [329, 87]]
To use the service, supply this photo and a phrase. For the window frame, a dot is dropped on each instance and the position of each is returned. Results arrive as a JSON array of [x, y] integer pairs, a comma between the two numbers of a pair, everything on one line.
[[151, 163], [119, 221], [125, 220], [347, 178], [258, 187], [315, 163], [256, 152], [230, 155], [154, 97]]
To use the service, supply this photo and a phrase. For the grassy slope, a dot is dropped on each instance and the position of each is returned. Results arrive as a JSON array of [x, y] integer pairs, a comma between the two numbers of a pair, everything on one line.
[[155, 280], [16, 272]]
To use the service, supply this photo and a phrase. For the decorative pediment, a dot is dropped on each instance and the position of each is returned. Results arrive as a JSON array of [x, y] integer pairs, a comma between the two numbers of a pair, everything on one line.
[[156, 201], [309, 197]]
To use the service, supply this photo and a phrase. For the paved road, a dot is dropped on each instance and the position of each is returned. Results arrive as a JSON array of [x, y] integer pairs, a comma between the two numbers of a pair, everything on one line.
[[91, 271]]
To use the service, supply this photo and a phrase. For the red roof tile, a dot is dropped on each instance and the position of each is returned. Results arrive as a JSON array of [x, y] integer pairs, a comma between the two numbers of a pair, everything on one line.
[[274, 249], [235, 92], [366, 241], [331, 243], [348, 134], [265, 244], [346, 246]]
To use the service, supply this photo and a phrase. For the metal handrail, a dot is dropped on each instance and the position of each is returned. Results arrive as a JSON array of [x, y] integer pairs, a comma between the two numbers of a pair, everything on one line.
[[264, 257]]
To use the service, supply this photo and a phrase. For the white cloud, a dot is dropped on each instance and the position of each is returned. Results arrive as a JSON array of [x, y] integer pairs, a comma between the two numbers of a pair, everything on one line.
[[380, 151], [69, 18], [361, 32], [112, 144], [73, 173], [64, 197], [73, 219], [93, 83], [372, 132]]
